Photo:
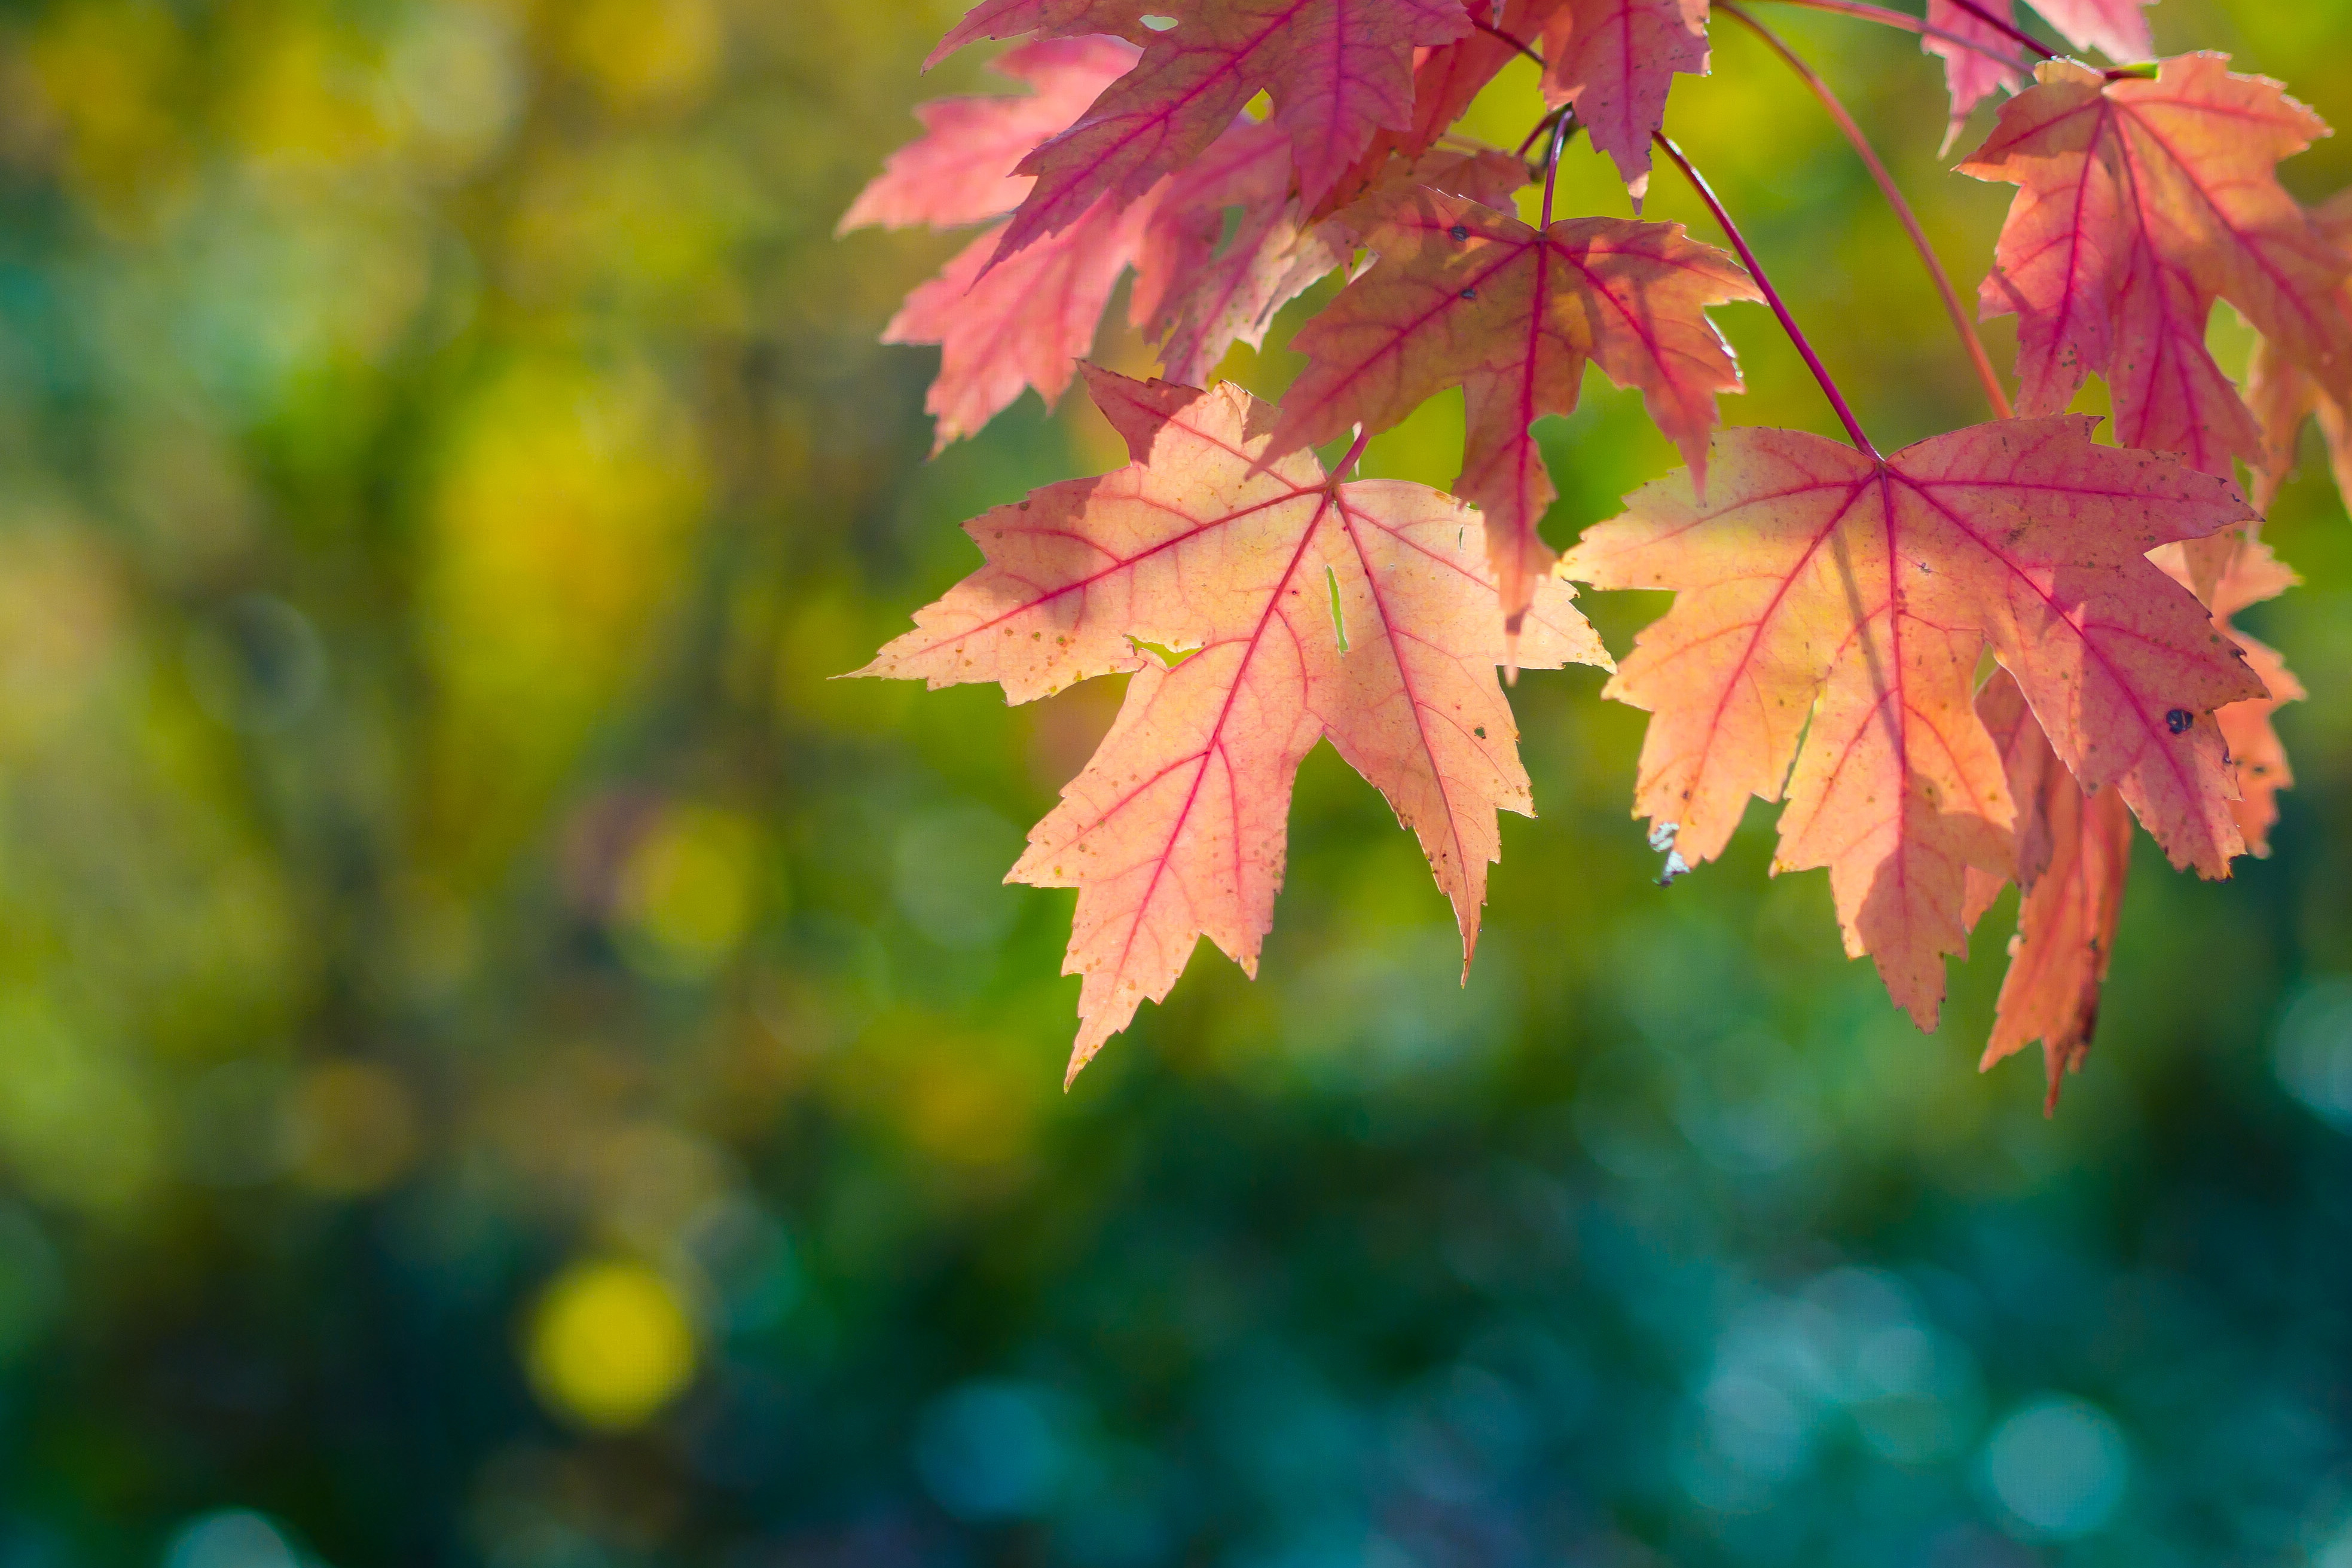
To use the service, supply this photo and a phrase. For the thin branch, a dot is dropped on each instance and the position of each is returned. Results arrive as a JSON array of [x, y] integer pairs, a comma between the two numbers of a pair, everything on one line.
[[1966, 329], [2000, 24], [1886, 18], [1771, 295], [1493, 31]]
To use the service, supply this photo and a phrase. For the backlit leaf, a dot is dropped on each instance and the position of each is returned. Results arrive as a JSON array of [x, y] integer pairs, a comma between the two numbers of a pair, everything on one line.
[[1823, 648], [1207, 543]]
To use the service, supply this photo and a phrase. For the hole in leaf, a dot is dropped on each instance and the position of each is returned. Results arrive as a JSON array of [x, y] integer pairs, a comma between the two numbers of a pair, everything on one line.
[[1169, 657], [1338, 621], [1159, 24]]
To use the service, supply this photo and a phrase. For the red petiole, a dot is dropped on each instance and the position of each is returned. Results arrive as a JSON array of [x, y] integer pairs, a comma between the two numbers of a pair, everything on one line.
[[1862, 11], [1771, 295], [1953, 307]]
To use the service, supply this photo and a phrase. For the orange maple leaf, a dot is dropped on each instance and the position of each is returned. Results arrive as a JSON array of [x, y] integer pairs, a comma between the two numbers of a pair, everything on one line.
[[2072, 851], [2073, 854], [2252, 574], [1823, 644], [2282, 395], [2138, 204], [1464, 295], [1315, 609]]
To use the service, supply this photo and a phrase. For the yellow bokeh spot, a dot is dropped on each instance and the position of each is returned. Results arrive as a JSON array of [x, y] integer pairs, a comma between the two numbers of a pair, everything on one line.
[[638, 54], [609, 1345], [561, 519], [689, 890]]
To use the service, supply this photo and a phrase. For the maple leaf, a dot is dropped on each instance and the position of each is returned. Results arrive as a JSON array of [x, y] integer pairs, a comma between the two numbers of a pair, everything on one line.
[[2281, 395], [2117, 28], [1025, 324], [1316, 609], [960, 171], [2073, 851], [1970, 76], [1202, 284], [1464, 295], [1199, 289], [1053, 18], [2139, 203], [1612, 61], [2250, 575], [1445, 80], [1336, 70], [1832, 608]]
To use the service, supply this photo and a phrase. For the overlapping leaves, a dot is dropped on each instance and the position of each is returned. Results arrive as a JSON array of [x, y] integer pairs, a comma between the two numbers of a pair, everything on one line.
[[1832, 606]]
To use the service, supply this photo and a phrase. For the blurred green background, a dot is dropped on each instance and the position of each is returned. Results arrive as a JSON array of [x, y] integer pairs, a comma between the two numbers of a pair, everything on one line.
[[502, 1061]]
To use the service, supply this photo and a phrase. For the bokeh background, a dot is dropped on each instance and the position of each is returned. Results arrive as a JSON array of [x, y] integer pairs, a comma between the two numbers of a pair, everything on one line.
[[504, 1061]]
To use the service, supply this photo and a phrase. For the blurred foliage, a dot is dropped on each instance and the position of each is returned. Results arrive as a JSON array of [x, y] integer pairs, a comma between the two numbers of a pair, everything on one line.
[[503, 1061]]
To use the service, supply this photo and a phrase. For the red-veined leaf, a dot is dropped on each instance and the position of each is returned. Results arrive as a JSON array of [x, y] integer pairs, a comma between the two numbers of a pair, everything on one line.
[[1054, 18], [2139, 203], [1823, 643], [1315, 609], [1337, 71], [1613, 60], [2073, 855], [1464, 295], [960, 171], [2282, 395]]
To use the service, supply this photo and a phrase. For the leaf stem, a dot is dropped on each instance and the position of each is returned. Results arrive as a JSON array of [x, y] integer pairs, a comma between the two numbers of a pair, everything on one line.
[[1771, 295], [1879, 14], [1994, 392], [2002, 25], [1549, 120], [1355, 453], [1493, 31], [1559, 131]]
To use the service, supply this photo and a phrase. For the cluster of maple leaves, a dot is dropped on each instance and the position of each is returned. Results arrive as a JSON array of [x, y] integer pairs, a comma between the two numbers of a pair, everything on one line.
[[1834, 606]]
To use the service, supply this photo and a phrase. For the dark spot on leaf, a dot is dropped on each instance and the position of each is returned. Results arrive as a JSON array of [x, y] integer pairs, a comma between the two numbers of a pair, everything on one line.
[[1469, 294], [1460, 231], [2178, 720]]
